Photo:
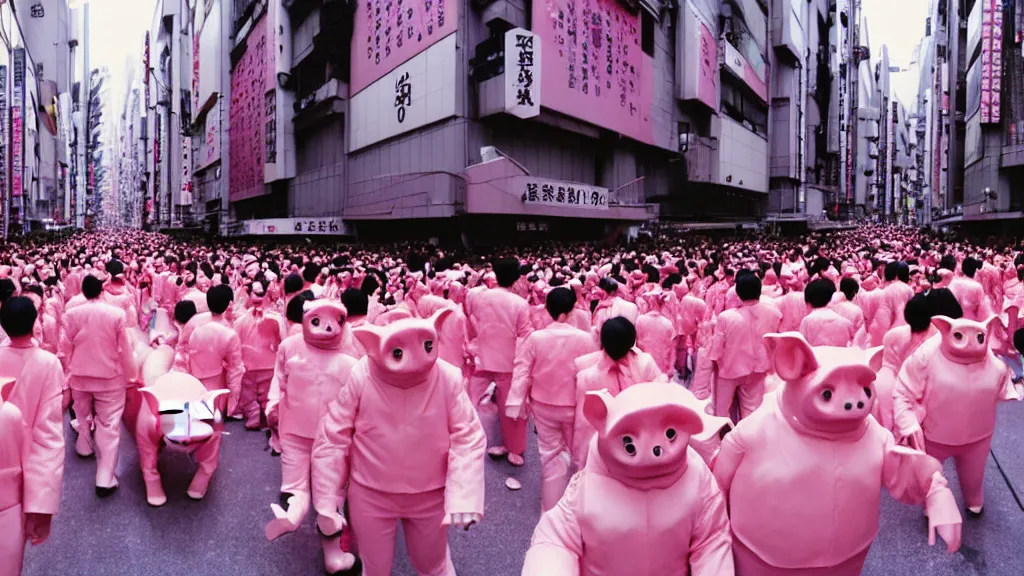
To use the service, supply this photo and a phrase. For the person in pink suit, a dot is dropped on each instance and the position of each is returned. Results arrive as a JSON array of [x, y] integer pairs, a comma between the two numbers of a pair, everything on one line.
[[818, 514], [969, 292], [617, 366], [897, 345], [644, 493], [612, 305], [309, 371], [946, 396], [580, 317], [403, 436], [793, 307], [99, 361], [36, 393], [655, 333], [117, 293], [357, 305], [823, 326], [545, 375], [740, 357], [259, 333], [846, 306], [893, 298], [452, 338], [500, 319], [13, 451]]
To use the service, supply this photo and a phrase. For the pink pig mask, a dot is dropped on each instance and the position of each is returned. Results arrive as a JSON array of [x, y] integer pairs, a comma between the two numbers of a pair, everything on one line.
[[322, 322], [964, 341], [829, 390], [643, 433], [403, 352]]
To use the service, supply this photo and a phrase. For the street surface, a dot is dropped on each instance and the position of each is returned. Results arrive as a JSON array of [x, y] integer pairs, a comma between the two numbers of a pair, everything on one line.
[[223, 535]]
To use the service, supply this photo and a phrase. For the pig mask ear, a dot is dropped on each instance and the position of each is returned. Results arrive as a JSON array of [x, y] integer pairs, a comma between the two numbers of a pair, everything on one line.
[[438, 318], [595, 408], [792, 356], [6, 389], [875, 358], [991, 322], [370, 337], [943, 324]]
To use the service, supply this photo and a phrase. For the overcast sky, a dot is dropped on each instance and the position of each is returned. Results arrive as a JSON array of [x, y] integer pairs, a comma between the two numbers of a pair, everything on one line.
[[899, 24], [118, 32]]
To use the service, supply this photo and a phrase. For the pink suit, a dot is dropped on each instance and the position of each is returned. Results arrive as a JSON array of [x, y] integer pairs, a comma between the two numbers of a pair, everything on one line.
[[855, 316], [891, 303], [644, 494], [403, 436], [13, 454], [819, 512], [545, 373], [500, 320], [259, 333], [898, 344], [215, 358], [121, 296], [946, 397], [971, 296], [656, 336], [452, 338], [741, 356], [100, 364], [793, 308], [825, 327], [613, 307]]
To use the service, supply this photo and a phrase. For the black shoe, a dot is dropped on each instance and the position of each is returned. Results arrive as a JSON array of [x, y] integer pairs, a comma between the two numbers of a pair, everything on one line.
[[105, 492], [974, 515]]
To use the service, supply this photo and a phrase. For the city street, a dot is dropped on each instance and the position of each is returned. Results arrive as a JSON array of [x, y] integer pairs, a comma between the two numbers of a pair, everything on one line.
[[223, 535]]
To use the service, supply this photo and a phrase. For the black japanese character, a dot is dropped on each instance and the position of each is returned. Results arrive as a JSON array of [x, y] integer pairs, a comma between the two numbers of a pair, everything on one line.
[[298, 226], [525, 77], [310, 226], [322, 226], [560, 197], [333, 226], [547, 193], [524, 97], [572, 195], [531, 192], [595, 198], [403, 95]]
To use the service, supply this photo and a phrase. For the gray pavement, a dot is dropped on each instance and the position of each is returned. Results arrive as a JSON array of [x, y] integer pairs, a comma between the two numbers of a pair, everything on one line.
[[223, 535]]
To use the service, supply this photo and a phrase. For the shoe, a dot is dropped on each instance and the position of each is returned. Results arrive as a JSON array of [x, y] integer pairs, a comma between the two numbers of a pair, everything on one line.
[[83, 446], [199, 485], [497, 452], [516, 459], [975, 512], [106, 492]]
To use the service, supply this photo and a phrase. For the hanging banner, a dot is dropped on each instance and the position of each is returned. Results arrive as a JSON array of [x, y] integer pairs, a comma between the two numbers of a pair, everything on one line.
[[186, 171], [145, 73], [522, 73], [561, 194], [17, 124], [3, 150]]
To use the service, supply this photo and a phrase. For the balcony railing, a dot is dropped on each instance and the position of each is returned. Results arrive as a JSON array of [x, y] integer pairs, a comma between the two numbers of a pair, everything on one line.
[[631, 192]]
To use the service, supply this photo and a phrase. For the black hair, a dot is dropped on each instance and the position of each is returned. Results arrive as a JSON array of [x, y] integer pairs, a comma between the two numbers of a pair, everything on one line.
[[849, 287], [310, 272], [1018, 340], [92, 287], [219, 298], [292, 284], [748, 287], [184, 311], [355, 302], [608, 285], [294, 310], [903, 272], [115, 267], [944, 303], [18, 316], [918, 313], [671, 281], [948, 262], [560, 301], [7, 289], [35, 289], [818, 293], [618, 336], [507, 271], [653, 275], [892, 270], [970, 266]]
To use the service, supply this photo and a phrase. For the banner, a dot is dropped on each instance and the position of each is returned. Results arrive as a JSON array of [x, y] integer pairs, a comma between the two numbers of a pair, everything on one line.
[[3, 150], [323, 226], [545, 192], [17, 124], [522, 73]]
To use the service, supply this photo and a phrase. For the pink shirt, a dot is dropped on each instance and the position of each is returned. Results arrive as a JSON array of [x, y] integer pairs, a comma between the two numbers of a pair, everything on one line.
[[656, 336], [215, 356], [259, 346], [793, 308], [825, 327], [99, 356], [545, 369], [971, 296], [738, 346], [306, 380], [500, 319]]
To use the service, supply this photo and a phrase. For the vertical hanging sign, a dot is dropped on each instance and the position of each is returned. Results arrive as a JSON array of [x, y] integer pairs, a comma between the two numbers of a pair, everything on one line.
[[17, 124], [145, 73], [3, 151], [522, 73]]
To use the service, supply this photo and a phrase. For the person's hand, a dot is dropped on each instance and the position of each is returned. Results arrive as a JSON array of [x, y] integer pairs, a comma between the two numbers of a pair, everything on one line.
[[37, 528]]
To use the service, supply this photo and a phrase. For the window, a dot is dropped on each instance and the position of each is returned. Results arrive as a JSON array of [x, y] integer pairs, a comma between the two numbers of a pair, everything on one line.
[[647, 32]]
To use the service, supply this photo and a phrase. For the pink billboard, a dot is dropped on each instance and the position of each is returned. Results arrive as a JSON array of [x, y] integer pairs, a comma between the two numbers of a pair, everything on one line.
[[593, 66], [388, 33], [991, 60], [247, 140], [707, 88]]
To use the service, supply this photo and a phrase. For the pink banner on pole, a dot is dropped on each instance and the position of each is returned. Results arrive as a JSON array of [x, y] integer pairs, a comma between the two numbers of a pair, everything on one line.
[[388, 33], [248, 129], [16, 153], [707, 90], [593, 66]]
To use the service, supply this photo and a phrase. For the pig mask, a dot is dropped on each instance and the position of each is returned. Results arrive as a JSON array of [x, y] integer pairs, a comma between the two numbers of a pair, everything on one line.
[[964, 341], [829, 390], [403, 352], [322, 322], [643, 433]]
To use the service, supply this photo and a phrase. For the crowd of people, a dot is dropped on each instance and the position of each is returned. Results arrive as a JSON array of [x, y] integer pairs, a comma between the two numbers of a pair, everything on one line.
[[728, 406]]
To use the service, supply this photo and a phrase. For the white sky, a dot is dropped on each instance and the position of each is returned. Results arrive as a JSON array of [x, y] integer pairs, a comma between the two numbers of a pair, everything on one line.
[[118, 32], [899, 24]]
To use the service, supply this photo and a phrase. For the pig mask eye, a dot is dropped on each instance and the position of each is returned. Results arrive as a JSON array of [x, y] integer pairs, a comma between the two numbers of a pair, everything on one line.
[[670, 434], [315, 322], [827, 395], [428, 346], [396, 353], [981, 338], [627, 442], [958, 336]]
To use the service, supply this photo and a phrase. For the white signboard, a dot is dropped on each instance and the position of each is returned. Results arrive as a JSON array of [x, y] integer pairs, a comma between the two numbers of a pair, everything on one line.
[[186, 171], [540, 191], [324, 226], [522, 73], [414, 94], [734, 61]]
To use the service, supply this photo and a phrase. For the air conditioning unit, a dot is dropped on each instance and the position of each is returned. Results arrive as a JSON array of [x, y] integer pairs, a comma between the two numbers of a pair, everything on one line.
[[489, 153]]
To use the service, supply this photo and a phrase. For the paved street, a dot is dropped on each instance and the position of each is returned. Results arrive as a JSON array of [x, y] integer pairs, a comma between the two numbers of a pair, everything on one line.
[[223, 535]]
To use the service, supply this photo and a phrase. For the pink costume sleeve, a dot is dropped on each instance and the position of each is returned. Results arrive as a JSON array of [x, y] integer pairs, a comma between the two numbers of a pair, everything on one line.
[[557, 543], [124, 346], [717, 347], [908, 396], [43, 470], [464, 485], [711, 540], [234, 369], [66, 337], [331, 449], [727, 461], [277, 386], [521, 380], [915, 478]]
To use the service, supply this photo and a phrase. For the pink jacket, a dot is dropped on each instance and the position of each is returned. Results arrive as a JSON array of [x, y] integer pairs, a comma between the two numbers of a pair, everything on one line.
[[119, 295], [855, 315], [198, 298], [893, 299], [825, 327], [827, 496], [656, 336], [793, 308], [96, 349], [452, 338], [12, 457], [401, 425], [545, 369], [949, 388], [971, 296], [500, 319], [306, 380], [215, 357], [37, 393], [614, 307], [737, 346], [898, 344], [666, 509], [259, 333]]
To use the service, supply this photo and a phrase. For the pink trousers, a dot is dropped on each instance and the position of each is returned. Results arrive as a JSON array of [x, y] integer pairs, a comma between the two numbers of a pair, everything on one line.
[[554, 441], [296, 453], [513, 432], [148, 440], [105, 410], [750, 564], [702, 382], [12, 541], [749, 389], [253, 397], [970, 462], [375, 515]]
